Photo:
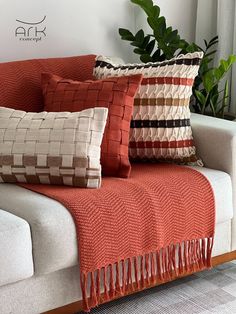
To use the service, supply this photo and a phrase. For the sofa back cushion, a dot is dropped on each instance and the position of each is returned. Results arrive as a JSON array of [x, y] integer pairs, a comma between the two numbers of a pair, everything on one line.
[[20, 81]]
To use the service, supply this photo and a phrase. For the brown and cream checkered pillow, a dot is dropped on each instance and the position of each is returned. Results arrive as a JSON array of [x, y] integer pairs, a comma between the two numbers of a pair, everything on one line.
[[60, 148]]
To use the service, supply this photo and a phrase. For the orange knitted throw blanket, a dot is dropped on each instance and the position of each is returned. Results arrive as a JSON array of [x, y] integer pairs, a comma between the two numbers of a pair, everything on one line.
[[137, 232]]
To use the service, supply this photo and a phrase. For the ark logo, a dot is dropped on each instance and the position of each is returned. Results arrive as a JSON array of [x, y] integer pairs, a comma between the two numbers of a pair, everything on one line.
[[31, 31]]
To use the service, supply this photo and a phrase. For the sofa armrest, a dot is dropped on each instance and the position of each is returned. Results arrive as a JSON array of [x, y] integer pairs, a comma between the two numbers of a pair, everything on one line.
[[215, 141]]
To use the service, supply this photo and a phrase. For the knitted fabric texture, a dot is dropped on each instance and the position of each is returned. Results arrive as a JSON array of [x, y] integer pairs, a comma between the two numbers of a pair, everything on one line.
[[52, 148], [160, 126], [20, 81], [116, 94], [151, 228]]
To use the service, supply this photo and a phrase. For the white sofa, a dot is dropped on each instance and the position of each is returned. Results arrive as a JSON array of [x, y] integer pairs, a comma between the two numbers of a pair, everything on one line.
[[38, 258]]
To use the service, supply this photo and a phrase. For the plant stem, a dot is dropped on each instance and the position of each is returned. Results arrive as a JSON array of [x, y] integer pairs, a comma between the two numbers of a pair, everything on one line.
[[204, 105], [225, 97]]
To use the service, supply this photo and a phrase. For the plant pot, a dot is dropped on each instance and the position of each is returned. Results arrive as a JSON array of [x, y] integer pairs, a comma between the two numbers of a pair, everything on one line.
[[229, 116]]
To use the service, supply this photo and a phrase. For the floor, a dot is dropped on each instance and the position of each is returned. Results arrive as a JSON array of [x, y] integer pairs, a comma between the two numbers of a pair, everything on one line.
[[207, 292]]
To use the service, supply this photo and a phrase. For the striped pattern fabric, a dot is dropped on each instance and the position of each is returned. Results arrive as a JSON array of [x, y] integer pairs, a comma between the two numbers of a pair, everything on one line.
[[160, 126], [51, 148]]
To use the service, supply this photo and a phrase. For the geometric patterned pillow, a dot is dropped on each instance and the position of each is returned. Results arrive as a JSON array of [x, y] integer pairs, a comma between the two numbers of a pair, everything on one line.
[[160, 126], [51, 148]]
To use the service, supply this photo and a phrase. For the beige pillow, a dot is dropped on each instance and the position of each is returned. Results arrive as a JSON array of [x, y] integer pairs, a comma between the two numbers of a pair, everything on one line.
[[60, 148]]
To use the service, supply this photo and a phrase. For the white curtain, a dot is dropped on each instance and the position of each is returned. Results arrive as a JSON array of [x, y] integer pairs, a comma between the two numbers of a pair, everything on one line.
[[218, 17]]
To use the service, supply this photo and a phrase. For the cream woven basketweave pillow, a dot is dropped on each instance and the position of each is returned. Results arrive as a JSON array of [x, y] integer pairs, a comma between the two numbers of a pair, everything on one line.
[[60, 148], [160, 125]]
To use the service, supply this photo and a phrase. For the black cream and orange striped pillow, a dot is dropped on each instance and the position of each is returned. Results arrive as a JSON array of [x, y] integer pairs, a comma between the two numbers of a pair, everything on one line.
[[160, 125]]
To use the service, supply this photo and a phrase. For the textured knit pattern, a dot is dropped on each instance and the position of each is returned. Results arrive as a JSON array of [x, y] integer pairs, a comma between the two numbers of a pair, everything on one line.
[[116, 94], [20, 81], [160, 126], [158, 224], [51, 148]]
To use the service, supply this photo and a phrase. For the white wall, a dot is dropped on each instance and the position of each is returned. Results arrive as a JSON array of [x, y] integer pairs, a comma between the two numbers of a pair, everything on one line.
[[83, 26]]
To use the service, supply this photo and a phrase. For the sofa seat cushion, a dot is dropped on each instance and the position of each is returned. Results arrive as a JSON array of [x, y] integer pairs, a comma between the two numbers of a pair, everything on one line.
[[53, 229], [222, 187], [16, 261]]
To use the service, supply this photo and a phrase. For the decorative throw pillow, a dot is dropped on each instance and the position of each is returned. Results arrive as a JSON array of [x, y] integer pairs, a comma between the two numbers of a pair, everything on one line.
[[160, 126], [51, 148], [116, 94]]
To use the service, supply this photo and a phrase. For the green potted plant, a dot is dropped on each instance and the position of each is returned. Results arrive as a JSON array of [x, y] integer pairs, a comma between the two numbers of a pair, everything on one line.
[[209, 97], [164, 43]]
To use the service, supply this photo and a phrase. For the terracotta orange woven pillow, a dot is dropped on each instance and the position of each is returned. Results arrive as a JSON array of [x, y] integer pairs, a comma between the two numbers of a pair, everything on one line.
[[116, 94]]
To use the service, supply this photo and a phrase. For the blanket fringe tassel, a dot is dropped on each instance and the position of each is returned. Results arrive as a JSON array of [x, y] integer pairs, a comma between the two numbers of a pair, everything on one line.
[[140, 272]]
